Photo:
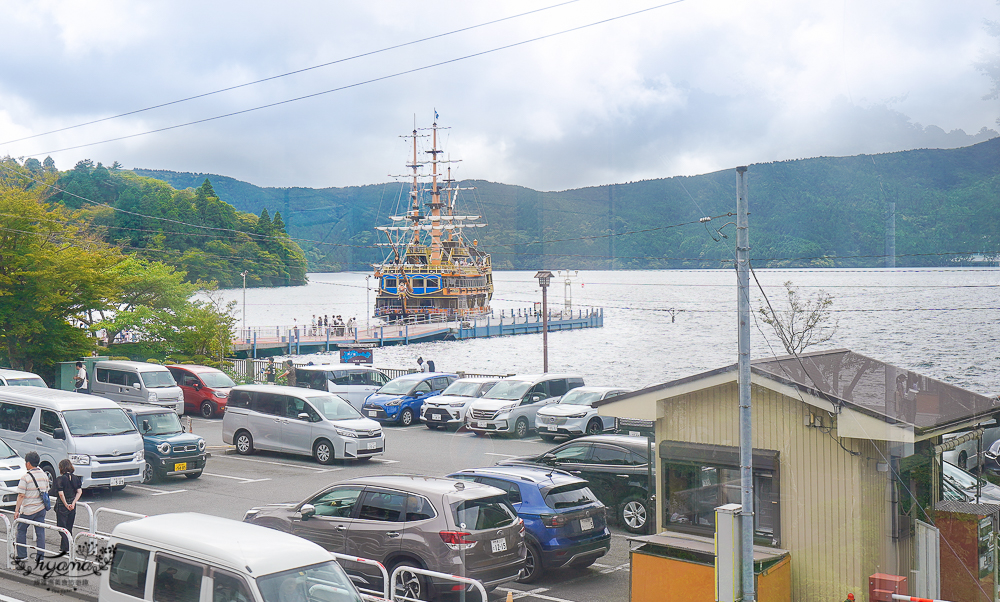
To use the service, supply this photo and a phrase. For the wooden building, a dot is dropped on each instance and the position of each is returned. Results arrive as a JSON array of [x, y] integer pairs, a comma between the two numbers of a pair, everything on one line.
[[841, 456]]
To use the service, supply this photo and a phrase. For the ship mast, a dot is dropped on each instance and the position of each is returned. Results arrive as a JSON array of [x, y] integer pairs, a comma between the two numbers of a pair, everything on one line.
[[435, 199]]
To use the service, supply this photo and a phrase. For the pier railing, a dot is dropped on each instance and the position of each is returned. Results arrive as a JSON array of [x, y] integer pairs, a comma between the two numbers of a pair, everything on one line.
[[253, 370]]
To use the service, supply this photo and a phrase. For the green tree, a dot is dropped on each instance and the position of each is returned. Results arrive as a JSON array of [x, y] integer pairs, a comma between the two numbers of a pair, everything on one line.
[[51, 271], [805, 323]]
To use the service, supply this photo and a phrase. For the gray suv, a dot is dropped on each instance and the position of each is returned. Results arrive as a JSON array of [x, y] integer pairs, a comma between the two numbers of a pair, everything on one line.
[[445, 525]]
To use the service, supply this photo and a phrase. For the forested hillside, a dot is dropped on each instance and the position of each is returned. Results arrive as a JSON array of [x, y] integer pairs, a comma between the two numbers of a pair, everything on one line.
[[828, 211], [150, 218]]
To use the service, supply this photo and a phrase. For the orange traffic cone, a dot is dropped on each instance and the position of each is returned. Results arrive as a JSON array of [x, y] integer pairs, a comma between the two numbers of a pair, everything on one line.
[[510, 596]]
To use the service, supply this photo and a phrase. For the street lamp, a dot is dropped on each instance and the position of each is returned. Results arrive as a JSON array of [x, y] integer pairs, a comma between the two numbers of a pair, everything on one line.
[[544, 276], [246, 335], [368, 307]]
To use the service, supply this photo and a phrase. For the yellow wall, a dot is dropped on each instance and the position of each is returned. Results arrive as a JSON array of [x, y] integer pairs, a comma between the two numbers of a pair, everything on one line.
[[656, 579], [834, 506]]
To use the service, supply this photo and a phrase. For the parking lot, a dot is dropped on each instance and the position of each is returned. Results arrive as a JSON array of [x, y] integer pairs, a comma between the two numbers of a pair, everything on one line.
[[231, 484]]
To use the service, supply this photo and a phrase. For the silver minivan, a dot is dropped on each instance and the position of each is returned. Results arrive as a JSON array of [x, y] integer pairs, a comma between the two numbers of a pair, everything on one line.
[[137, 382], [511, 404], [95, 434], [16, 378], [294, 420], [353, 382]]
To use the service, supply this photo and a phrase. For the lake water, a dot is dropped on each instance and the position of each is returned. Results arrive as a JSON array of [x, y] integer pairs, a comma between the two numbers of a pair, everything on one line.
[[943, 323]]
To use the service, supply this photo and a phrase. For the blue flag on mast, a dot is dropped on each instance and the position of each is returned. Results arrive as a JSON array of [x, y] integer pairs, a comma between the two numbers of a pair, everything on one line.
[[435, 115]]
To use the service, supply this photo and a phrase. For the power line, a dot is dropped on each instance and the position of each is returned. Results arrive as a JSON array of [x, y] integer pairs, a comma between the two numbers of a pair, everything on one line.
[[361, 83], [297, 71]]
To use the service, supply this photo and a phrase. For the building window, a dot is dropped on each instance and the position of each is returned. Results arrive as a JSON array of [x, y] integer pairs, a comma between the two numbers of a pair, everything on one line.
[[699, 478]]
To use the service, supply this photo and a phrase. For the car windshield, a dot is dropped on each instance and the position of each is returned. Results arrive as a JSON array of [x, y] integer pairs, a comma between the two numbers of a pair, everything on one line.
[[158, 379], [580, 398], [467, 388], [397, 387], [216, 380], [333, 407], [324, 582], [484, 513], [959, 476], [509, 389], [32, 381], [161, 423], [95, 423], [569, 496], [6, 451]]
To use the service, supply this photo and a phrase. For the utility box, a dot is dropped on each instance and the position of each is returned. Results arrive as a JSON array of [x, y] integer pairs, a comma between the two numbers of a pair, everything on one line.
[[881, 587], [728, 584], [968, 570], [66, 371]]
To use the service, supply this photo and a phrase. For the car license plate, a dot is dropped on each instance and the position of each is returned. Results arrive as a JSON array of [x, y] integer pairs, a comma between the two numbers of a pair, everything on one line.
[[115, 481], [482, 424], [435, 416], [553, 427], [499, 545], [372, 413], [586, 524], [180, 466], [373, 445]]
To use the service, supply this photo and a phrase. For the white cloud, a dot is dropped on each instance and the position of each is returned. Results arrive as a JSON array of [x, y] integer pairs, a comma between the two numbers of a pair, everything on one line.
[[698, 86]]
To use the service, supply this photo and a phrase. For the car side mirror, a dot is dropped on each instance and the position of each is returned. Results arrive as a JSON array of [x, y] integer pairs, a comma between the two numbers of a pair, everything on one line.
[[548, 457], [197, 386], [304, 416], [307, 510], [58, 433], [136, 386], [145, 426]]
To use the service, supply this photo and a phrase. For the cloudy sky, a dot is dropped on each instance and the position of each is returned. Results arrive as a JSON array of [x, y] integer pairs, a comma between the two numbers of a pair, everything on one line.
[[682, 89]]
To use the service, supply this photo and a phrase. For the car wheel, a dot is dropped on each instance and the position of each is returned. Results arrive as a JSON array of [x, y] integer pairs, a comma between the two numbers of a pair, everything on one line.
[[547, 438], [406, 417], [193, 475], [521, 428], [532, 564], [595, 427], [50, 473], [323, 452], [148, 473], [963, 460], [408, 584], [244, 443], [207, 409], [634, 514]]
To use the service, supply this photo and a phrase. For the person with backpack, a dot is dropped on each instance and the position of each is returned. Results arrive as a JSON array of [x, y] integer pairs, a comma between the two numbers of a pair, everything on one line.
[[32, 504], [68, 489]]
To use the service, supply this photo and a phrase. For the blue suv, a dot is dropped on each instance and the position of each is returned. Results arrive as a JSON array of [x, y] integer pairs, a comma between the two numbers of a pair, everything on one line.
[[400, 399], [566, 525], [169, 450]]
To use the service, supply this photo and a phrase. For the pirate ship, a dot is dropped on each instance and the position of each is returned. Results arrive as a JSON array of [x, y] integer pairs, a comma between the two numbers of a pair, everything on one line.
[[431, 271]]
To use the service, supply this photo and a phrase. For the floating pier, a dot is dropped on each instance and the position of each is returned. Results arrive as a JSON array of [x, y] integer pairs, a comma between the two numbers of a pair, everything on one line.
[[297, 340]]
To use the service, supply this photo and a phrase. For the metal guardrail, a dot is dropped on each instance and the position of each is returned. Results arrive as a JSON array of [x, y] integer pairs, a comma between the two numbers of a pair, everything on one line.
[[12, 545], [385, 574], [444, 576]]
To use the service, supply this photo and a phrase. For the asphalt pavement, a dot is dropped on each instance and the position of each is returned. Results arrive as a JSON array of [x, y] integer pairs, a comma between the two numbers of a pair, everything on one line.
[[232, 484]]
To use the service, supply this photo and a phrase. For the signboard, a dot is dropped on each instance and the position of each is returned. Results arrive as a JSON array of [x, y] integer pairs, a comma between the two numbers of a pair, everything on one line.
[[356, 356], [635, 427]]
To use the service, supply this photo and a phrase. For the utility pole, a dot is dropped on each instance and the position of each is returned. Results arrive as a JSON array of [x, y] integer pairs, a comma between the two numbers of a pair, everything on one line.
[[746, 428], [368, 307], [244, 274], [544, 276]]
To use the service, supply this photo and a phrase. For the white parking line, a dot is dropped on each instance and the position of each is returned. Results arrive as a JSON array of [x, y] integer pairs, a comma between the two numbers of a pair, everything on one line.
[[612, 569], [534, 593], [158, 491], [504, 455], [240, 479], [9, 599], [302, 466], [384, 461]]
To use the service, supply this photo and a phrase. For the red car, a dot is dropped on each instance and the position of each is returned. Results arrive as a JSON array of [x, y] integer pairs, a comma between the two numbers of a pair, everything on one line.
[[205, 389]]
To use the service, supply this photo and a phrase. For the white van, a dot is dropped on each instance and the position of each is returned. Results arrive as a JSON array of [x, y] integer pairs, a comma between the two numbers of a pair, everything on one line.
[[353, 382], [137, 382], [16, 378], [95, 434], [511, 404], [294, 420], [190, 557]]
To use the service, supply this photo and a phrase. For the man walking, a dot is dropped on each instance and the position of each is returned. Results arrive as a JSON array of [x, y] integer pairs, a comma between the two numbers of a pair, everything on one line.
[[30, 505], [80, 383]]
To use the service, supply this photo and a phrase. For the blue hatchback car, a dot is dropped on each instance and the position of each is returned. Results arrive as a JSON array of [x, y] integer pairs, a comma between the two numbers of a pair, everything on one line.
[[565, 524], [400, 399]]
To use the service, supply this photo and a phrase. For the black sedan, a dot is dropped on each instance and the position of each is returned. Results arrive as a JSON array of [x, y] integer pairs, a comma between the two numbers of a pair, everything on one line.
[[616, 467]]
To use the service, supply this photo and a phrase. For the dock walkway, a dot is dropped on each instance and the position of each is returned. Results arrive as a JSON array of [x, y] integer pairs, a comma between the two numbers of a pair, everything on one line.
[[293, 340]]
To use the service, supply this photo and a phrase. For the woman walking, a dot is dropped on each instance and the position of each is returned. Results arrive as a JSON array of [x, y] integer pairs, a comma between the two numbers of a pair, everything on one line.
[[70, 489]]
